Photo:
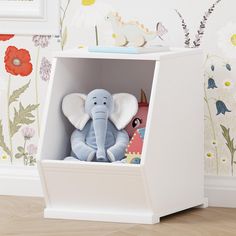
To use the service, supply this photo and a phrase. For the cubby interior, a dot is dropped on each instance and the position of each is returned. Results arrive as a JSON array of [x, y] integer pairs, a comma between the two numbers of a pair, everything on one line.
[[81, 75]]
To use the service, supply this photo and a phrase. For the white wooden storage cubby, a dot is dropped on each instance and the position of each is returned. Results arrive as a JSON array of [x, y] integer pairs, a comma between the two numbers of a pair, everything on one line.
[[170, 176]]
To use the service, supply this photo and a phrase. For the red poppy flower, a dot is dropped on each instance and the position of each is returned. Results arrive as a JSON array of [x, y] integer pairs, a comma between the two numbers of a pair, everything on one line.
[[5, 37], [17, 61]]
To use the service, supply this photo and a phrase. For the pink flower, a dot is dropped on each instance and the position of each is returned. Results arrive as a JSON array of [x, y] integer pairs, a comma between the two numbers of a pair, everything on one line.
[[28, 132], [32, 149], [41, 40], [45, 69]]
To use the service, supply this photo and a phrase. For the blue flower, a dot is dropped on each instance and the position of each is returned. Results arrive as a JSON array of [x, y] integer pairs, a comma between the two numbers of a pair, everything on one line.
[[211, 84], [221, 108]]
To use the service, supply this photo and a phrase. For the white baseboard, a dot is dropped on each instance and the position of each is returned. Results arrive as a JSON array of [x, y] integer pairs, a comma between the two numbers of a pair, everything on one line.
[[96, 215], [221, 191], [20, 181]]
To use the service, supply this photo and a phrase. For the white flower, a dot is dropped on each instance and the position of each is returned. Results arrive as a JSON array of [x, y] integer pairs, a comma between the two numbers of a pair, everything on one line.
[[32, 149], [91, 13], [28, 132], [227, 40]]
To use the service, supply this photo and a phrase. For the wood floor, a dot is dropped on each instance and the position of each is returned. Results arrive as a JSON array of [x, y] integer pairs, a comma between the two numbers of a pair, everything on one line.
[[24, 217]]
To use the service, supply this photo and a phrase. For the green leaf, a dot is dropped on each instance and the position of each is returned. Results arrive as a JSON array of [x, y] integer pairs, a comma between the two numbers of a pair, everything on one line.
[[20, 149], [23, 116], [32, 161], [16, 94], [2, 141], [229, 141], [18, 155], [64, 38]]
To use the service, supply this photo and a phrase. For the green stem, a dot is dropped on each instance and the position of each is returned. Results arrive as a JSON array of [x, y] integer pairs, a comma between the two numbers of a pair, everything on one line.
[[62, 22], [96, 33], [36, 90], [25, 158], [213, 128], [64, 13], [9, 118], [232, 163]]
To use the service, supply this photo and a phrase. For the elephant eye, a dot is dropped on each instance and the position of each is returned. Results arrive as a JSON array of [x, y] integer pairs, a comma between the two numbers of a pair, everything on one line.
[[95, 103], [105, 103], [136, 122]]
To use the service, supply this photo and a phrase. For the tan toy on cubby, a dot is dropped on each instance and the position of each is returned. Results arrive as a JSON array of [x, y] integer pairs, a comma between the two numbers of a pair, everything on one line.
[[170, 177], [133, 33]]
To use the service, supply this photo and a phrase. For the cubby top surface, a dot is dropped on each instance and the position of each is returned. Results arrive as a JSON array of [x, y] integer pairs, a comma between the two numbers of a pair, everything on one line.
[[83, 53]]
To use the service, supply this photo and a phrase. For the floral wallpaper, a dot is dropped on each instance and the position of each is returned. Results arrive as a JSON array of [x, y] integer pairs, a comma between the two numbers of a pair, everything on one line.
[[25, 70], [25, 66], [220, 146]]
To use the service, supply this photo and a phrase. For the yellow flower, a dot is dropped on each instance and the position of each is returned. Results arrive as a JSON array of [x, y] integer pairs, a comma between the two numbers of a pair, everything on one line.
[[227, 39], [227, 84], [233, 39], [90, 13], [88, 2], [209, 155], [4, 157]]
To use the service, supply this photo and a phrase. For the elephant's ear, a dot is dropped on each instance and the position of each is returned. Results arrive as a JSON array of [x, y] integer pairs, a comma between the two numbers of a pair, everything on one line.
[[125, 108], [73, 107]]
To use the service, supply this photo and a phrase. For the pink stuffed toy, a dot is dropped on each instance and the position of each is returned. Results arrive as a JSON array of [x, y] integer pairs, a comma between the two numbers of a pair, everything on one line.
[[140, 119]]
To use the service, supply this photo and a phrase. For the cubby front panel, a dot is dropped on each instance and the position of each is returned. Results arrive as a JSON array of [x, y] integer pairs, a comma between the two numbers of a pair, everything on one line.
[[105, 188]]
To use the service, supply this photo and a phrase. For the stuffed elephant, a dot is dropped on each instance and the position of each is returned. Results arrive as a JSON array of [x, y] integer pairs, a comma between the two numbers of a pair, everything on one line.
[[99, 119]]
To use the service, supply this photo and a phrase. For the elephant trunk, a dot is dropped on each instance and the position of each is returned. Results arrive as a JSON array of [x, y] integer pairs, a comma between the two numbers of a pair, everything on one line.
[[100, 118]]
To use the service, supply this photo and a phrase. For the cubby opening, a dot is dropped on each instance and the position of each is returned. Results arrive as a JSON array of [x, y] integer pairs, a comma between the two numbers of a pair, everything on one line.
[[82, 75]]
